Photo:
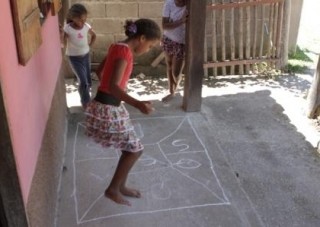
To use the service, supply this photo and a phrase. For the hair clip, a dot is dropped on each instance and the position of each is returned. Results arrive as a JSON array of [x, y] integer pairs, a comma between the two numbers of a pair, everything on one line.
[[132, 28]]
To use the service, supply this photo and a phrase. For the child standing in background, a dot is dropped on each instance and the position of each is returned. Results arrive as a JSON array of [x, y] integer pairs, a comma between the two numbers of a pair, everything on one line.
[[107, 119], [78, 47], [174, 17]]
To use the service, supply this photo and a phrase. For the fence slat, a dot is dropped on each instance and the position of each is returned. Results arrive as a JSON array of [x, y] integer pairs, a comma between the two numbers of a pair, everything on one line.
[[240, 39], [244, 33], [248, 37], [223, 40], [232, 41], [214, 41]]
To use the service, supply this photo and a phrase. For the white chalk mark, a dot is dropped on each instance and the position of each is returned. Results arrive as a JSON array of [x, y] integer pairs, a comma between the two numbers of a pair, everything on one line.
[[186, 152], [98, 177], [147, 160], [187, 164], [177, 143], [154, 211], [211, 163], [94, 159], [160, 190], [74, 174], [138, 130], [88, 210], [203, 185]]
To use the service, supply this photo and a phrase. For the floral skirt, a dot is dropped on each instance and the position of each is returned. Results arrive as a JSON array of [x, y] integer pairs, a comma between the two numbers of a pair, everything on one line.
[[173, 48], [111, 126]]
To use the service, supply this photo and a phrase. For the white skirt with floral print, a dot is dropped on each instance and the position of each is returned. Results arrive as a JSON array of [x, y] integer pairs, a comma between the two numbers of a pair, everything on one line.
[[111, 126]]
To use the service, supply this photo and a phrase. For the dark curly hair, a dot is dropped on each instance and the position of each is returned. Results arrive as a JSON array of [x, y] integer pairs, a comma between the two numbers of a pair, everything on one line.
[[146, 27], [76, 10]]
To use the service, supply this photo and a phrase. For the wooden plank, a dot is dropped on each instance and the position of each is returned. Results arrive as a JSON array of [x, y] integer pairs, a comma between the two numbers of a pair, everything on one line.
[[313, 99], [270, 31], [238, 62], [248, 37], [194, 55], [240, 39], [27, 28], [262, 31], [275, 30], [279, 33], [214, 41], [241, 4], [158, 59], [232, 41], [223, 40], [206, 73], [56, 6], [255, 32]]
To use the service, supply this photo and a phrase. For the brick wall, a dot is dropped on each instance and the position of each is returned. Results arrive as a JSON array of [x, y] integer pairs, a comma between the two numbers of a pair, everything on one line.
[[107, 18]]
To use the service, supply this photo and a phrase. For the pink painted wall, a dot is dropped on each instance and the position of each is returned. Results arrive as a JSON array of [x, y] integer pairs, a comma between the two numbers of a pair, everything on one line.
[[28, 91]]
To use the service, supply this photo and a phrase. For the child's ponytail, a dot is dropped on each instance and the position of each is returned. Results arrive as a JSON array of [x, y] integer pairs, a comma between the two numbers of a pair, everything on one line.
[[146, 27], [130, 28]]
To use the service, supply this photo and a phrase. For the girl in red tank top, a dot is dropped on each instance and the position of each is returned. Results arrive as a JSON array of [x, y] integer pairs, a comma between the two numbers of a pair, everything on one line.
[[107, 120]]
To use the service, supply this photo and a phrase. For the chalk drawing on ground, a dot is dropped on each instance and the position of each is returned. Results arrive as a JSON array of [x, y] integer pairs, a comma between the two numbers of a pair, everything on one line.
[[175, 172]]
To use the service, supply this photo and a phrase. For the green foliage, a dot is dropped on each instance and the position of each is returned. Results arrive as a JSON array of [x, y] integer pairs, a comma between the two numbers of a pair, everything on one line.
[[300, 54], [266, 69], [299, 61]]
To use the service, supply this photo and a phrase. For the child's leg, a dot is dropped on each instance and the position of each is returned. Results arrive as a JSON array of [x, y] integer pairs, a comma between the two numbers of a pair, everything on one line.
[[171, 80], [177, 67], [117, 187], [174, 70], [78, 66]]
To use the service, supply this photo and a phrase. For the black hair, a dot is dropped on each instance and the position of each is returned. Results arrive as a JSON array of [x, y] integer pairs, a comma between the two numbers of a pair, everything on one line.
[[76, 10], [146, 27]]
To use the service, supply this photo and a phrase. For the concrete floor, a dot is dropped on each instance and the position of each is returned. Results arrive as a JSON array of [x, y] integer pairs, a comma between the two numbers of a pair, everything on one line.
[[241, 161]]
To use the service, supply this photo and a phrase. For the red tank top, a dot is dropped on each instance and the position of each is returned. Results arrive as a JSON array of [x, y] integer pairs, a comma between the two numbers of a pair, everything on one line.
[[116, 51]]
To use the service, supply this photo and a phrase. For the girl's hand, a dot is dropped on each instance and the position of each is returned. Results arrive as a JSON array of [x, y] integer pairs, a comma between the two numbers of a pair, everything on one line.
[[145, 107], [184, 16]]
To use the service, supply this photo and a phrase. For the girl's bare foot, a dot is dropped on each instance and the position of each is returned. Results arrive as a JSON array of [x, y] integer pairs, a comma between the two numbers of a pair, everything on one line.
[[167, 98], [130, 192], [116, 197]]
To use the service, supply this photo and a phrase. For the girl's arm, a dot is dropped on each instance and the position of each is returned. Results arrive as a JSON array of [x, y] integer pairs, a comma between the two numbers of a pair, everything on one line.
[[168, 24], [118, 92], [93, 37]]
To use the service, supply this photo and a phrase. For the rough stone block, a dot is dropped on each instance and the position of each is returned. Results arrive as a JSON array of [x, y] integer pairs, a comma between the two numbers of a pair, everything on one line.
[[150, 9], [107, 25], [122, 10]]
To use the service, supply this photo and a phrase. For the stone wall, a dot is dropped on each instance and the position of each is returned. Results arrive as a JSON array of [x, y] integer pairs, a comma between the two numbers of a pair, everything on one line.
[[107, 18]]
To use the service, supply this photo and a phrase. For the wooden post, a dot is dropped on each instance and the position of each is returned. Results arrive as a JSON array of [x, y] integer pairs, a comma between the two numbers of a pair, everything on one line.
[[285, 37], [195, 34], [313, 109]]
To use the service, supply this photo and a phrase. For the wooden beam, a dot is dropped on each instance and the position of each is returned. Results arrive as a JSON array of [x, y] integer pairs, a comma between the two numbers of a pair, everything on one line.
[[195, 34], [238, 62], [240, 4]]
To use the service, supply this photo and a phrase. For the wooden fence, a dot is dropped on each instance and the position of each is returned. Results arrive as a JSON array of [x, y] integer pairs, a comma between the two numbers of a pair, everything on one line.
[[241, 34]]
